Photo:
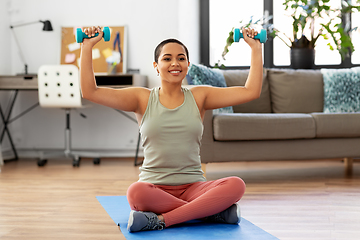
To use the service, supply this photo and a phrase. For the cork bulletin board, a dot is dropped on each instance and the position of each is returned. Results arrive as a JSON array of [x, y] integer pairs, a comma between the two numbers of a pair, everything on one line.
[[108, 57]]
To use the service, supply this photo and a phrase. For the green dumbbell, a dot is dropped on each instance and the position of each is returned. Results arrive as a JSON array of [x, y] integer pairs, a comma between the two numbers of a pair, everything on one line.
[[262, 36], [80, 35]]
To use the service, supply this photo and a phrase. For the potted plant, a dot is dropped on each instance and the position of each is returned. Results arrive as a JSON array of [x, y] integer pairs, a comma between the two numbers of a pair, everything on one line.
[[306, 15]]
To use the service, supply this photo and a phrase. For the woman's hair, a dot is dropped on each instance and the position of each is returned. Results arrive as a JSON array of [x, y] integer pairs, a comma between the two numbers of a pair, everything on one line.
[[163, 43]]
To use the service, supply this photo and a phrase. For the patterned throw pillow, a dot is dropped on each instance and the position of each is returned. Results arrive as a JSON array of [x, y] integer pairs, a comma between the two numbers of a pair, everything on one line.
[[341, 90], [202, 75]]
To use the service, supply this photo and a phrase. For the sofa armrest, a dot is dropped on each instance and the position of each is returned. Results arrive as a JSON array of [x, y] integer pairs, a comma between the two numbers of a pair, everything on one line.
[[208, 138]]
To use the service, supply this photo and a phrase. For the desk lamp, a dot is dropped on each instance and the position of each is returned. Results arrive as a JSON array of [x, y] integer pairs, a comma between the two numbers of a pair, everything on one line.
[[47, 27]]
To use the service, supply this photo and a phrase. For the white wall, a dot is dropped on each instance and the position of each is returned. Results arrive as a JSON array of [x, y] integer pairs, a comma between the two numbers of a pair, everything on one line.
[[5, 54], [148, 22]]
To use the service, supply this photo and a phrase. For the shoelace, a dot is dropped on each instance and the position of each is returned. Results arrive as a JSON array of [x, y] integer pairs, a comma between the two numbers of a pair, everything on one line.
[[154, 223], [216, 218]]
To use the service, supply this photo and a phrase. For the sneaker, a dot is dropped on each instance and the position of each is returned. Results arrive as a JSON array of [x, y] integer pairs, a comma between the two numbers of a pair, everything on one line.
[[143, 221], [231, 215]]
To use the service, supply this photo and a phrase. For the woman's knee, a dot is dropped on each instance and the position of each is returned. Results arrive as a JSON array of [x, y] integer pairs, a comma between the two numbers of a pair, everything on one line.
[[138, 194], [237, 186]]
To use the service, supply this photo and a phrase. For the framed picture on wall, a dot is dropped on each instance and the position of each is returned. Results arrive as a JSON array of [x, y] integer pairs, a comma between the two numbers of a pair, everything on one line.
[[108, 57]]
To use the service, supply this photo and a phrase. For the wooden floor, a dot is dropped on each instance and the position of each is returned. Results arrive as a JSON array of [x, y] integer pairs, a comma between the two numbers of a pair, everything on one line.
[[291, 199]]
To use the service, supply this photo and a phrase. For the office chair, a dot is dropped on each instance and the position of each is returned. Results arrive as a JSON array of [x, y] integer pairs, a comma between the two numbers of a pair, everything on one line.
[[59, 87]]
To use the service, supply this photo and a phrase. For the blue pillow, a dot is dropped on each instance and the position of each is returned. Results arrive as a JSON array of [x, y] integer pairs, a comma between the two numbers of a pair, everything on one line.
[[202, 75], [189, 79], [341, 90]]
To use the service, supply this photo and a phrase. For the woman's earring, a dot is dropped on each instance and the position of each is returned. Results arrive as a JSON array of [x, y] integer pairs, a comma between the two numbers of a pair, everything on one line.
[[157, 71]]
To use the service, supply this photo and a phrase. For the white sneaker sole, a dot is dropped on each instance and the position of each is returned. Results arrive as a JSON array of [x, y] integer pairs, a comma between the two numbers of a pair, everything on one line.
[[238, 212], [131, 220]]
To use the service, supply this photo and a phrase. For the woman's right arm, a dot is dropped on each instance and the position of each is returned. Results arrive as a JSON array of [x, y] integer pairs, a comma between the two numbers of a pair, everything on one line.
[[126, 99]]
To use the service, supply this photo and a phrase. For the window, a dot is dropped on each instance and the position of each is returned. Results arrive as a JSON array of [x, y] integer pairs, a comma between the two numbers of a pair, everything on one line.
[[219, 17], [282, 21], [355, 35], [225, 15]]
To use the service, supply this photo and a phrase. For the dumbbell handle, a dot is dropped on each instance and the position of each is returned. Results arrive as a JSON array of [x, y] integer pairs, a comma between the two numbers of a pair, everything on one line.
[[80, 35], [262, 35]]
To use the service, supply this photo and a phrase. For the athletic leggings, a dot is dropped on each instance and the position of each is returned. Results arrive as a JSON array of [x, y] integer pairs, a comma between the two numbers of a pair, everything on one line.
[[182, 203]]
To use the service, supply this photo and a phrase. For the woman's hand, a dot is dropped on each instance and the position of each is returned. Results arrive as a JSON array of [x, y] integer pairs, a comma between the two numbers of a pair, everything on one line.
[[91, 31], [249, 35]]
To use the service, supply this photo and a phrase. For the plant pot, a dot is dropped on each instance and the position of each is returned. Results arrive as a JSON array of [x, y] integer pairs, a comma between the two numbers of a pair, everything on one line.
[[302, 58]]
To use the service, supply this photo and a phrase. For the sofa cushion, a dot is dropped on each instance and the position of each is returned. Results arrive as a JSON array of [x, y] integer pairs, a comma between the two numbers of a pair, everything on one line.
[[247, 126], [296, 91], [337, 125], [341, 90], [260, 105], [202, 75]]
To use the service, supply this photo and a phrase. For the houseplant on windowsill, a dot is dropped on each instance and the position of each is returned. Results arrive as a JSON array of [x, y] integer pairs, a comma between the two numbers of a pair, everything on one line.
[[307, 16], [308, 28]]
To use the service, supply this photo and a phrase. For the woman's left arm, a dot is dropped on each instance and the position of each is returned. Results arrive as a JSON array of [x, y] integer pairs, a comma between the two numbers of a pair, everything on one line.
[[215, 97]]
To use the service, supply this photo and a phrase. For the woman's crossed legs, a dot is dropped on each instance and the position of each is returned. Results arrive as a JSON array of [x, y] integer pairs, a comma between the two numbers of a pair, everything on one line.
[[182, 203]]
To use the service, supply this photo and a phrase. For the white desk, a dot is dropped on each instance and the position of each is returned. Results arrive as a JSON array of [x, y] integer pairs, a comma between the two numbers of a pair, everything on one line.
[[30, 82], [15, 83]]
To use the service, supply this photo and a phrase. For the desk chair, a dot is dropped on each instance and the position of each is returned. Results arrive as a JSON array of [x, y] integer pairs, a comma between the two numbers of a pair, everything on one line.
[[58, 87]]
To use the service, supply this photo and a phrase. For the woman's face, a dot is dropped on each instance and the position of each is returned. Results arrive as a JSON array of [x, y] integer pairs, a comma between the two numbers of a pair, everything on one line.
[[172, 63]]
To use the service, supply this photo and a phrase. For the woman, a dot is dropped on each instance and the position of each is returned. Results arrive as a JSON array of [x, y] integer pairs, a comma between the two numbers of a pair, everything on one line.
[[171, 187]]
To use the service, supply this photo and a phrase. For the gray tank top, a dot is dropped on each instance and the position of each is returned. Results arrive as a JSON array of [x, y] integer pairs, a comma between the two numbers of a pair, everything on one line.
[[171, 139]]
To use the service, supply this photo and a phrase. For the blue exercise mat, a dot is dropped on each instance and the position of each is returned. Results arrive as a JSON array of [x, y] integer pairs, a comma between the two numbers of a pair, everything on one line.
[[118, 208]]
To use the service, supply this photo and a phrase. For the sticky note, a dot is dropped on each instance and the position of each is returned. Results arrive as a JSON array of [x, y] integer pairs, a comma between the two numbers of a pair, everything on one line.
[[95, 53], [74, 46], [107, 52], [70, 57], [115, 57]]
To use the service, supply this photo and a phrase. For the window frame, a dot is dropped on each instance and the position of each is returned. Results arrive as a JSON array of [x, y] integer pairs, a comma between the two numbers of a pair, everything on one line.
[[268, 46]]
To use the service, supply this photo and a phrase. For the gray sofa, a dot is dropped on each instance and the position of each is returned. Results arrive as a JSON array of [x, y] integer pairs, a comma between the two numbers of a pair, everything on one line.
[[286, 123]]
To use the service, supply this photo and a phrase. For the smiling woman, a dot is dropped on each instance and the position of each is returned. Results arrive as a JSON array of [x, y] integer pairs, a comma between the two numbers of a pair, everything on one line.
[[171, 59], [171, 187]]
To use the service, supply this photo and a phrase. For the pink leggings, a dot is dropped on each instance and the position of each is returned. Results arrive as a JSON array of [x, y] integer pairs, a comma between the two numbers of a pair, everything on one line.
[[182, 203]]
